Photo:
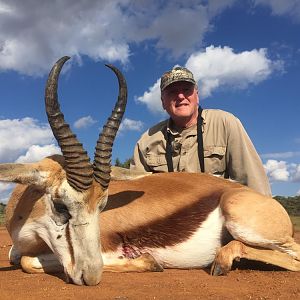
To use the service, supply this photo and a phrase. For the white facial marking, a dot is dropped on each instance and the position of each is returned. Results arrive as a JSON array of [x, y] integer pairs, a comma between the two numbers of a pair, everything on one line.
[[70, 194], [43, 177]]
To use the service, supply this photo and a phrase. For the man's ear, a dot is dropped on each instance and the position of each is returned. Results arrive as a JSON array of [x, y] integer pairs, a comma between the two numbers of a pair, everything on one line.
[[197, 91], [23, 173], [162, 103]]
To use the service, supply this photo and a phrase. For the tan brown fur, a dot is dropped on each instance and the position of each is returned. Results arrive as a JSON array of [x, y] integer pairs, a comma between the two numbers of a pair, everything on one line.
[[161, 210], [25, 205], [140, 264], [235, 203], [156, 196], [95, 196]]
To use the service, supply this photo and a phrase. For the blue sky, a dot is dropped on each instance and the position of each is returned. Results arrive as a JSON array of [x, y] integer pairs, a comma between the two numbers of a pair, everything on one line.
[[245, 56]]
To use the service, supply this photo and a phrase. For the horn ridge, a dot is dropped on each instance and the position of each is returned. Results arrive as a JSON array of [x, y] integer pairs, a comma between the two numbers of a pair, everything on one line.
[[103, 149], [71, 148]]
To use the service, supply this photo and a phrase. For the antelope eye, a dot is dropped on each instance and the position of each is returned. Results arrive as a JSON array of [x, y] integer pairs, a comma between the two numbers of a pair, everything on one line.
[[62, 209]]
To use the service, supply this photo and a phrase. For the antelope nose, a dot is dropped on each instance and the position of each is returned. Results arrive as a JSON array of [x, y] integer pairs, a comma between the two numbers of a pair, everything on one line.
[[92, 274], [92, 278]]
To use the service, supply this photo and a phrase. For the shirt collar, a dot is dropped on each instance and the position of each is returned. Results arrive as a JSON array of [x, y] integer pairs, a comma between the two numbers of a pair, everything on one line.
[[175, 132], [193, 130]]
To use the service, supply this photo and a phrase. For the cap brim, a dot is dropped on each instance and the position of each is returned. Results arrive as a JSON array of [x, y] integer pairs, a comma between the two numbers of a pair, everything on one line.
[[178, 80]]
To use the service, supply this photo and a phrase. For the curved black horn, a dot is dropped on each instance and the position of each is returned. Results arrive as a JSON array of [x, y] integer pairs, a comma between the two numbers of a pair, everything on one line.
[[78, 167], [102, 160]]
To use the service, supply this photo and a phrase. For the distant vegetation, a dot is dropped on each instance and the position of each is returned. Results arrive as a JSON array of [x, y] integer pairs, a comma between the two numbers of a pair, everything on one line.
[[125, 164], [2, 213], [291, 204]]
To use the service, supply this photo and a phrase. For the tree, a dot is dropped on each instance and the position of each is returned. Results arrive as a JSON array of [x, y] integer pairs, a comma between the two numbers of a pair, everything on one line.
[[125, 164], [291, 204]]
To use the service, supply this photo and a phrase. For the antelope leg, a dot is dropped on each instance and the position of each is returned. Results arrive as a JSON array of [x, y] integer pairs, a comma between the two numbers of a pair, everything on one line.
[[44, 263], [143, 263], [236, 250]]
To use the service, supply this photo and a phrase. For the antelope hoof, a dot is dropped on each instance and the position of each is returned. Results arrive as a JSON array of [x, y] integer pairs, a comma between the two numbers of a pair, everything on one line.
[[221, 265], [217, 270], [154, 266], [14, 256]]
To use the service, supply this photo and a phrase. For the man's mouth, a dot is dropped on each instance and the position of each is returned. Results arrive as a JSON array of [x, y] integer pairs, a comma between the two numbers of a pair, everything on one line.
[[181, 104]]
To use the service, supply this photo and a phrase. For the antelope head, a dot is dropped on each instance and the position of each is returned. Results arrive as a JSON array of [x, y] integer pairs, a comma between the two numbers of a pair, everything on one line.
[[73, 191]]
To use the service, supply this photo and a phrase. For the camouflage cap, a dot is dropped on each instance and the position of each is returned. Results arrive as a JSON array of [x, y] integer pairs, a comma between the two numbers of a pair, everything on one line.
[[174, 75]]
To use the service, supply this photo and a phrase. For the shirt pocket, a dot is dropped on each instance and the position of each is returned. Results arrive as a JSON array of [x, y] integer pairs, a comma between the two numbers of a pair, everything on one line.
[[157, 163], [215, 161]]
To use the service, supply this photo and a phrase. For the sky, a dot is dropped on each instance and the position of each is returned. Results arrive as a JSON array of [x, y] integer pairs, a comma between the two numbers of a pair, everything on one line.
[[245, 56]]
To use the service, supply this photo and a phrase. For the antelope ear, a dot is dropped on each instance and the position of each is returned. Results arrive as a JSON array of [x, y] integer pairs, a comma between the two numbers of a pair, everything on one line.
[[23, 173]]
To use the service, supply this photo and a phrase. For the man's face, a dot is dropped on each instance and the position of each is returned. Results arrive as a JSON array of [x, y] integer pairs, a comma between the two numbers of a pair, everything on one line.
[[180, 100]]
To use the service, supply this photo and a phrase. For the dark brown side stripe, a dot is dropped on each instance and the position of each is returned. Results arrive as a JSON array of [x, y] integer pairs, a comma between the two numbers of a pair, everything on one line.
[[173, 230]]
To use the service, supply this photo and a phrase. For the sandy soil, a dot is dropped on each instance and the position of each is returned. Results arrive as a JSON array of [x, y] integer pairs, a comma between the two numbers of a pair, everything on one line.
[[258, 281]]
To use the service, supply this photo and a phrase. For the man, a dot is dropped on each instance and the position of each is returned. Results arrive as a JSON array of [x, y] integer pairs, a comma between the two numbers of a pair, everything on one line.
[[196, 140]]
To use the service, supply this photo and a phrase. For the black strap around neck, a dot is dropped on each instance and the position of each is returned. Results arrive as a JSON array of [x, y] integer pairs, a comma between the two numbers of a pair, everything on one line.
[[200, 140], [200, 145], [169, 153]]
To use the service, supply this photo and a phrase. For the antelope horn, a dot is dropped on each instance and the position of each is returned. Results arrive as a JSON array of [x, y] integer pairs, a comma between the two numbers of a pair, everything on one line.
[[78, 167], [102, 160]]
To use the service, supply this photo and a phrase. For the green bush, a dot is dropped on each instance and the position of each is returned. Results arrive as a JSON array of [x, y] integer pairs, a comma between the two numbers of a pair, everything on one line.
[[125, 164], [291, 204], [2, 213]]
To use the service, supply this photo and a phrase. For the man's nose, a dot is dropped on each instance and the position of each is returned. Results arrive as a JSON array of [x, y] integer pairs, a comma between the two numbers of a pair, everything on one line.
[[180, 95]]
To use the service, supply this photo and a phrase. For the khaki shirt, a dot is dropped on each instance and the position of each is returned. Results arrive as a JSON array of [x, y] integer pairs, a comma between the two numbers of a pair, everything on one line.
[[228, 150]]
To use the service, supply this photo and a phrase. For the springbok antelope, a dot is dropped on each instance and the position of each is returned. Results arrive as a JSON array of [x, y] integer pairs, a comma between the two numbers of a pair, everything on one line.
[[148, 221]]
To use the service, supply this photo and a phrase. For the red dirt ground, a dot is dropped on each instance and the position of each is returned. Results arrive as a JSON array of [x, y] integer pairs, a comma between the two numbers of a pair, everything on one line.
[[265, 283]]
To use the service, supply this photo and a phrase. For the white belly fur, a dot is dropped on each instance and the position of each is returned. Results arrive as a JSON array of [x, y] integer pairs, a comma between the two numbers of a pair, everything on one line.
[[197, 252]]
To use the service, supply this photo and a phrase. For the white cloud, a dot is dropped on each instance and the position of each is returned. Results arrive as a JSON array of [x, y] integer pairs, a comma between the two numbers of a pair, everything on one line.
[[281, 155], [295, 172], [5, 187], [277, 170], [17, 135], [36, 153], [280, 7], [152, 98], [36, 33], [4, 8], [84, 122], [297, 140], [5, 191], [217, 67], [282, 171], [132, 125], [221, 66]]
